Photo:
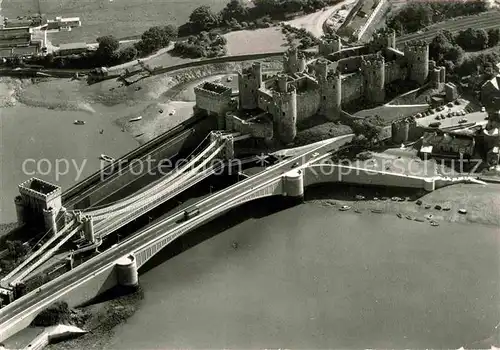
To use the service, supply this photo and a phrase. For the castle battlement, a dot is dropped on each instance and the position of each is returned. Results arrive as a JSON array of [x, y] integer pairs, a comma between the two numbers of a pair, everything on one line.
[[416, 46], [39, 189], [372, 62], [213, 89]]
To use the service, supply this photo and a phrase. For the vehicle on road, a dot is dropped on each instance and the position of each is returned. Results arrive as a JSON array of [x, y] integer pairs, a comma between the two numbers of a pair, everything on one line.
[[483, 109], [135, 119], [463, 120], [106, 158], [296, 164], [434, 125], [79, 122], [191, 212], [462, 211], [450, 104], [172, 112]]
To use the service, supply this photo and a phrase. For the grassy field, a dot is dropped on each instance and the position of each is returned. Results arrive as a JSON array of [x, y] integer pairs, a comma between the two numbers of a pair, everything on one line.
[[122, 18]]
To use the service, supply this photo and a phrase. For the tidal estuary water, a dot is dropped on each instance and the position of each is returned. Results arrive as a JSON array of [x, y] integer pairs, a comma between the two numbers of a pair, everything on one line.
[[313, 277]]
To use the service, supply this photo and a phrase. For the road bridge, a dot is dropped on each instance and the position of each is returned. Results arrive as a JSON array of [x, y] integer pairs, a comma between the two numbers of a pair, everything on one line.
[[286, 178]]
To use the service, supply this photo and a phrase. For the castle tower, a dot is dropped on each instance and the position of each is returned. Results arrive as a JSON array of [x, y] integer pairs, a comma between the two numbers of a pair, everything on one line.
[[331, 95], [417, 57], [249, 81], [373, 71], [285, 115], [282, 82], [294, 61], [321, 69], [330, 45], [383, 40]]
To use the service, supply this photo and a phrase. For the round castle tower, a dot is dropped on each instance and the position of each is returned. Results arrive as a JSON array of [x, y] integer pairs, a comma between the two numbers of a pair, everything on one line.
[[249, 81], [417, 57], [330, 45], [385, 39], [373, 71], [294, 61], [285, 115]]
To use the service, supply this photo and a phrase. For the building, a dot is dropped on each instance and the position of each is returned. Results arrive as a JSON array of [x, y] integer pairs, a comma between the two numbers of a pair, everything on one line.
[[490, 93], [354, 76], [18, 41], [451, 92], [447, 145], [72, 49]]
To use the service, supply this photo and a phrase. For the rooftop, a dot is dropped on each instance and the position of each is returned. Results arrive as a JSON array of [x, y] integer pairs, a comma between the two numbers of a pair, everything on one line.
[[39, 186], [217, 88]]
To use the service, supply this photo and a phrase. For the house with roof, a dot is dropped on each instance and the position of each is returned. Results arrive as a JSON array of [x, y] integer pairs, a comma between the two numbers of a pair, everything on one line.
[[441, 144], [490, 93]]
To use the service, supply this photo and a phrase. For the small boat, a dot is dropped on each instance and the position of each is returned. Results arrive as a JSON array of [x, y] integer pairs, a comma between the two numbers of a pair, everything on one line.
[[106, 158], [344, 208], [408, 217], [139, 135], [357, 211], [434, 223], [419, 220], [135, 119], [79, 122], [377, 211], [399, 215], [462, 211], [446, 208]]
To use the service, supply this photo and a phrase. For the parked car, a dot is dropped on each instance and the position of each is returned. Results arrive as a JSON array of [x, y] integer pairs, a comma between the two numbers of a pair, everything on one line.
[[457, 102], [463, 120], [450, 104], [434, 125], [463, 112], [483, 109]]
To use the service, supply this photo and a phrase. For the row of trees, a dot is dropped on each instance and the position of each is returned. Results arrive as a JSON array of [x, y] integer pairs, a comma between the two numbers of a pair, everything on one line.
[[418, 15], [205, 44], [449, 50], [237, 13], [306, 38]]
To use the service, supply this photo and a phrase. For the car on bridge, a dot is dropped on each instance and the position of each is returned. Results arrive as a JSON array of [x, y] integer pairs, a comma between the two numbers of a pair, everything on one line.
[[191, 213]]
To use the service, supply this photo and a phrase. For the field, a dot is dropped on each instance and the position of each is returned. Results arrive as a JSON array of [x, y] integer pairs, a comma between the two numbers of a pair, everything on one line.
[[122, 18]]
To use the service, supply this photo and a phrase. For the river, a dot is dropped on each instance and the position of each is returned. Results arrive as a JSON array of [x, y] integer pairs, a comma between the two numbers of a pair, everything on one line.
[[313, 277]]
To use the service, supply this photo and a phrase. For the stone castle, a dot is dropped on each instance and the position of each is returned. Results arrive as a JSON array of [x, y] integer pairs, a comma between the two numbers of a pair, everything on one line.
[[272, 107]]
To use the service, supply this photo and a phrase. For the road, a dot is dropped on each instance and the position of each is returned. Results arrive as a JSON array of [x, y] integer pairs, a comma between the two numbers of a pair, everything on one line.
[[314, 22], [35, 301], [487, 20]]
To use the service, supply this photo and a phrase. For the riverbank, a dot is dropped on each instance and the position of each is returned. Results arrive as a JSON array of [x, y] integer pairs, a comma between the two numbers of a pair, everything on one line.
[[314, 277], [351, 279]]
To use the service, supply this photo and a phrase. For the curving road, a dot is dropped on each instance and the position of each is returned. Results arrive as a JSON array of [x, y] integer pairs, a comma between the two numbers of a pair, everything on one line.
[[35, 301]]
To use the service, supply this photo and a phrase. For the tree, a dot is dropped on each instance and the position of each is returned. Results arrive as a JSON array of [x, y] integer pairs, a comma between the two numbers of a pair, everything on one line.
[[128, 54], [17, 249], [411, 18], [493, 37], [108, 44], [472, 39], [155, 38], [234, 10], [203, 18]]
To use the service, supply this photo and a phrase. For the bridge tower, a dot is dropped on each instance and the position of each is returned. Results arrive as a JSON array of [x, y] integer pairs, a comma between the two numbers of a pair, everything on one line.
[[417, 57], [40, 203], [373, 70], [88, 228]]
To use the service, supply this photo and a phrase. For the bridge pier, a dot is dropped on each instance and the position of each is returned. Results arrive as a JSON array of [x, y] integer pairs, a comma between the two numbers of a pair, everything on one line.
[[126, 271], [293, 186]]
